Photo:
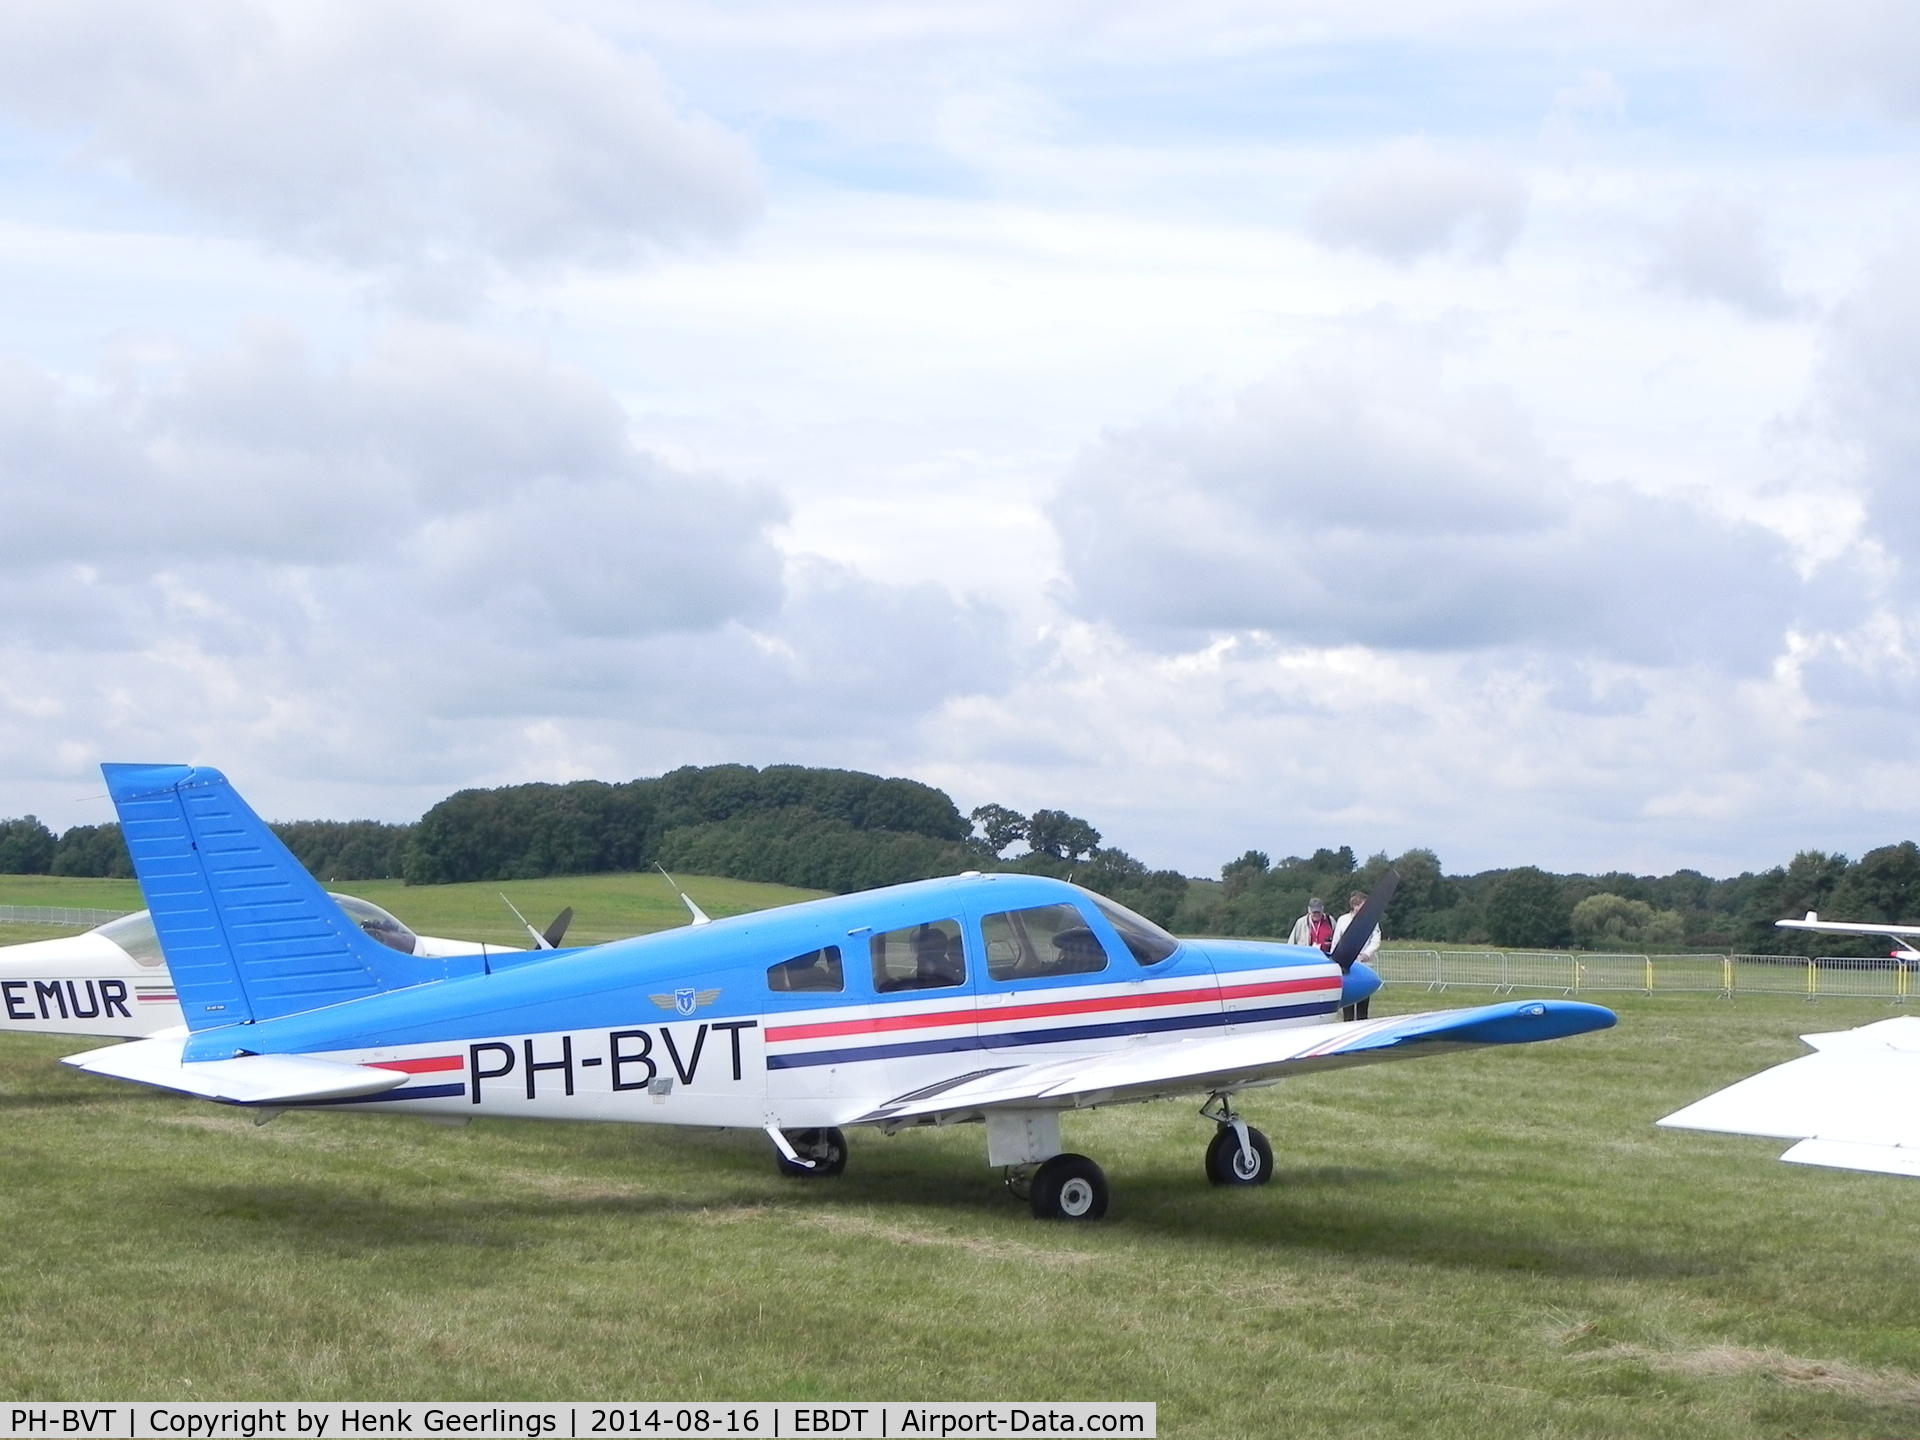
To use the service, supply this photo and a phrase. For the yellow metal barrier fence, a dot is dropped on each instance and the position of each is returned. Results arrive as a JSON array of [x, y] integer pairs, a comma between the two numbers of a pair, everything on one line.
[[1506, 970]]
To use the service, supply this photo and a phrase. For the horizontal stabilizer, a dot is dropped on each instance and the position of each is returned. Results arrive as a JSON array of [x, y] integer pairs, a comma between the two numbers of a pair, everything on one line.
[[1234, 1062], [243, 1080]]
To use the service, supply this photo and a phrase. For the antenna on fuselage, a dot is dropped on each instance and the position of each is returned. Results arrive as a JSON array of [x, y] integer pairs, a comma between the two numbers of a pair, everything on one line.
[[700, 917], [555, 932]]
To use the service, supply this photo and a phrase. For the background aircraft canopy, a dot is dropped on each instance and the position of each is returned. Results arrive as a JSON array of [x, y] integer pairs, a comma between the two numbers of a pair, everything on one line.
[[134, 933]]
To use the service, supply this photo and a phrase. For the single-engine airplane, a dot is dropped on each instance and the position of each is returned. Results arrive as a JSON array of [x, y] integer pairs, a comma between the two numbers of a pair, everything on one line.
[[1004, 998], [1854, 1104], [113, 981]]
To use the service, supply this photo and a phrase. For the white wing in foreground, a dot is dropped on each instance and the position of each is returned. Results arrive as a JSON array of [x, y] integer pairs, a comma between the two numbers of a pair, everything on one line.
[[1237, 1062], [1853, 1105], [245, 1080]]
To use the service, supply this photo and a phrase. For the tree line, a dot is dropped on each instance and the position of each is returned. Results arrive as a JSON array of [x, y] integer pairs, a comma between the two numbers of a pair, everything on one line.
[[843, 830]]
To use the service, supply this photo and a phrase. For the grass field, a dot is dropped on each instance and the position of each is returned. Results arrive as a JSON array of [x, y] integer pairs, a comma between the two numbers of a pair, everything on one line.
[[1487, 1245], [1498, 1244]]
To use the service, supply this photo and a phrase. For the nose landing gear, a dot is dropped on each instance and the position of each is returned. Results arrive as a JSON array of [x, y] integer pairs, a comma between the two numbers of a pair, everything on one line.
[[1238, 1154], [825, 1149]]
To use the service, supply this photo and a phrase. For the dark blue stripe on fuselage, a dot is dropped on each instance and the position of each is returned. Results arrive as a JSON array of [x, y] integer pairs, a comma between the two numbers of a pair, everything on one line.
[[1007, 1040]]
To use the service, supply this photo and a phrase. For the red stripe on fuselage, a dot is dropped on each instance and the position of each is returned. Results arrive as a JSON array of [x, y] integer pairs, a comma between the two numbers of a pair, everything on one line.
[[419, 1067], [881, 1024]]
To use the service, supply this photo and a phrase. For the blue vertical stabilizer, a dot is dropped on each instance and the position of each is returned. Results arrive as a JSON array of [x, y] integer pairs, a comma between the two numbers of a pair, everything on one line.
[[247, 933]]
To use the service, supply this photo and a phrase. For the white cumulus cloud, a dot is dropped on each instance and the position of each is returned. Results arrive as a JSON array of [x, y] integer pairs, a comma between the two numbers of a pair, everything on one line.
[[424, 138], [1356, 499], [1413, 200]]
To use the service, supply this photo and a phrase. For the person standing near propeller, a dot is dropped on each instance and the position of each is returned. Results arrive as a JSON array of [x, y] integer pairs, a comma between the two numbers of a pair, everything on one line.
[[1356, 902]]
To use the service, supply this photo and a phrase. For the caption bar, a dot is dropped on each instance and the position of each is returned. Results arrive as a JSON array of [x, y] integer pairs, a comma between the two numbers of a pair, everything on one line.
[[477, 1420]]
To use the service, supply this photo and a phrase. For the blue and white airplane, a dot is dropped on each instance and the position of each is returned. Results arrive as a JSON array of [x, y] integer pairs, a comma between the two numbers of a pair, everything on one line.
[[1005, 999]]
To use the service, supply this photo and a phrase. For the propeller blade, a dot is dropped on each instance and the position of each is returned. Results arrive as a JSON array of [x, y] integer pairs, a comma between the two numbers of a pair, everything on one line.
[[1361, 927], [540, 942], [557, 931]]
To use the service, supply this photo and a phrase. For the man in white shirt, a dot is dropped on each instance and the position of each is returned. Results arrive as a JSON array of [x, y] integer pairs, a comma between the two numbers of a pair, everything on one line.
[[1355, 902]]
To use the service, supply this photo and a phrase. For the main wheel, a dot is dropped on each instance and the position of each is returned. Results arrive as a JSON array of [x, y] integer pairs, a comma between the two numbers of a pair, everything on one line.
[[1068, 1187], [826, 1148], [1226, 1165]]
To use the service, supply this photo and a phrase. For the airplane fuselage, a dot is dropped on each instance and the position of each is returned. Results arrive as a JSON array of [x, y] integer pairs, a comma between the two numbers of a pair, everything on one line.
[[701, 1026]]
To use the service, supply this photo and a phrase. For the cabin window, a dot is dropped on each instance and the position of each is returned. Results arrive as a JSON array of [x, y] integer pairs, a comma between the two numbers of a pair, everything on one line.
[[1148, 942], [1046, 940], [816, 970], [919, 957]]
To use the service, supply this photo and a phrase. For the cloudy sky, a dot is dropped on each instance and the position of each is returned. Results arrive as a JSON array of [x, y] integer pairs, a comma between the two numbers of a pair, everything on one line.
[[1471, 423]]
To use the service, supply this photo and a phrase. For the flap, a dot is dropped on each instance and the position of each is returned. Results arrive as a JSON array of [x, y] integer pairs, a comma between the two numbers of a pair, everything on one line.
[[1843, 1155]]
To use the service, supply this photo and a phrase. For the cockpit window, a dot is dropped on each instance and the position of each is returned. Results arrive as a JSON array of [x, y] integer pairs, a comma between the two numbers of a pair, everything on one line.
[[1045, 940], [1148, 942], [134, 934], [378, 923], [919, 957], [816, 970]]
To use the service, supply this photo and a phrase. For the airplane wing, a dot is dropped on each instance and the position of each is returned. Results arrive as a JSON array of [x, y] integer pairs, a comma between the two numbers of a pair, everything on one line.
[[1237, 1062], [1845, 927], [1854, 1104], [244, 1080]]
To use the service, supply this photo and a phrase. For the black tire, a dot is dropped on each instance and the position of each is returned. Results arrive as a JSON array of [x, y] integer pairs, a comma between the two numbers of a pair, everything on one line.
[[1069, 1187], [1226, 1165], [826, 1148]]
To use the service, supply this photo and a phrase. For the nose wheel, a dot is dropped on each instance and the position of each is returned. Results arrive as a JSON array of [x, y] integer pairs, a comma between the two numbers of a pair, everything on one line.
[[1238, 1154], [827, 1149]]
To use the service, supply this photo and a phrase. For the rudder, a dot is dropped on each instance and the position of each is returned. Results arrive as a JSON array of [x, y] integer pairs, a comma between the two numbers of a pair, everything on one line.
[[247, 933]]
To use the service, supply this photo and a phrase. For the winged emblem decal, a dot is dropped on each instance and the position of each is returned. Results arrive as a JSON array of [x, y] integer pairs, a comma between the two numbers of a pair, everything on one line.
[[685, 1002]]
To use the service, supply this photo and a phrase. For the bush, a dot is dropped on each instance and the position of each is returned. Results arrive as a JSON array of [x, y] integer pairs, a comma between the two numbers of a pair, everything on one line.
[[798, 846], [1606, 918], [96, 851], [1525, 909], [26, 847]]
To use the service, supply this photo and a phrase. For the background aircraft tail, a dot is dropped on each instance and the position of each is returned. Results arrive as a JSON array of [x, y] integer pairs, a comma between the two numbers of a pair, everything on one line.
[[247, 933]]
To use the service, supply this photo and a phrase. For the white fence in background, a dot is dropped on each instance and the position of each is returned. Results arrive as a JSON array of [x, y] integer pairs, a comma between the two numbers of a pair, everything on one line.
[[56, 915], [1574, 974]]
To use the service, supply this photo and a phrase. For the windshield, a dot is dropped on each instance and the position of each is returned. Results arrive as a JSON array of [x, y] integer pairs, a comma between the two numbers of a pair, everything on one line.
[[1148, 942]]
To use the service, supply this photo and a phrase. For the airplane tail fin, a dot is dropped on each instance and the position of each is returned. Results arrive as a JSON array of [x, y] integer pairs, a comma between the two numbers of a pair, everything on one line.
[[247, 933]]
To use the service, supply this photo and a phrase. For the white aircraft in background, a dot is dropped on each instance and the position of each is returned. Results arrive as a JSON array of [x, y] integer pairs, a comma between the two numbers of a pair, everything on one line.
[[1854, 1104], [113, 981]]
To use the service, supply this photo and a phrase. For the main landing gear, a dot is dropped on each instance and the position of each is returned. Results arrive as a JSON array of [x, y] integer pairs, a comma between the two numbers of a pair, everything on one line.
[[1238, 1154], [825, 1149], [1067, 1187]]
